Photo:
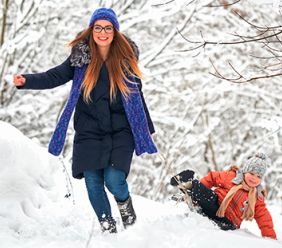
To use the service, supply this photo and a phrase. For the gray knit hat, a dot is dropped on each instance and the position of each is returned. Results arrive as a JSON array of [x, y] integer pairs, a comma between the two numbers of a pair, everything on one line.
[[256, 164]]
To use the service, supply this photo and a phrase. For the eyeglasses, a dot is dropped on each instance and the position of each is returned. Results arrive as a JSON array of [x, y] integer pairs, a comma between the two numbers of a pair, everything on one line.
[[108, 29]]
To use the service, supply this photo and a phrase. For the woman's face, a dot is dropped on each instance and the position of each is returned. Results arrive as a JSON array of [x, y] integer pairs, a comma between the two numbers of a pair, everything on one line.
[[103, 33], [252, 179]]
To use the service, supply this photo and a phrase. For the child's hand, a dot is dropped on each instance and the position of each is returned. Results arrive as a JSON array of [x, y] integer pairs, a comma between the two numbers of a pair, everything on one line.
[[18, 80]]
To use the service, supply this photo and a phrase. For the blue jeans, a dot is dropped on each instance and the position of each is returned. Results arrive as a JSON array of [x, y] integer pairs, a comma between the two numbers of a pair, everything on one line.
[[114, 180]]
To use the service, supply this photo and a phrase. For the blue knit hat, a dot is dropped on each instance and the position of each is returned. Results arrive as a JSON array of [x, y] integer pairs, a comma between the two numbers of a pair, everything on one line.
[[104, 14]]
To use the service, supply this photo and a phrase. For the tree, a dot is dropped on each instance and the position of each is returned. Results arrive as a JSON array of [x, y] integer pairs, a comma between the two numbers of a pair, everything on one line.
[[202, 122]]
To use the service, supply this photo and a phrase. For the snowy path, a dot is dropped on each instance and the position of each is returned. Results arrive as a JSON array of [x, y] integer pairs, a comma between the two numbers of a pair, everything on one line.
[[35, 213]]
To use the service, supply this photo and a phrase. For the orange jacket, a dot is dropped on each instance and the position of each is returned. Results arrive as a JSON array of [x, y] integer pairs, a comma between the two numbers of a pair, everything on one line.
[[222, 181]]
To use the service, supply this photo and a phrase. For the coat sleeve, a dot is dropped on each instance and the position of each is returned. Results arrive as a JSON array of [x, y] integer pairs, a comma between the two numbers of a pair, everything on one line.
[[211, 179], [150, 123], [264, 220], [52, 78]]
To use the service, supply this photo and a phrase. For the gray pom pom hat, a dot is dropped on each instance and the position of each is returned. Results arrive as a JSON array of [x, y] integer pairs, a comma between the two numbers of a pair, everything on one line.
[[256, 164]]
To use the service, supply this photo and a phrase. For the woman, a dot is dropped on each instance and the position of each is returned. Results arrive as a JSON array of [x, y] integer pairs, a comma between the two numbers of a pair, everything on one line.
[[229, 197], [111, 119]]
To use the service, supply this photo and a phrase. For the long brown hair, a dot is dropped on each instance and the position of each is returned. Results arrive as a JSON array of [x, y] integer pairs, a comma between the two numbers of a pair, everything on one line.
[[121, 61]]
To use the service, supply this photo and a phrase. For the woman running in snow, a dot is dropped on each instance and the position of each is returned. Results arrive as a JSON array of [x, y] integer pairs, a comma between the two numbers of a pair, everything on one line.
[[237, 195], [111, 119]]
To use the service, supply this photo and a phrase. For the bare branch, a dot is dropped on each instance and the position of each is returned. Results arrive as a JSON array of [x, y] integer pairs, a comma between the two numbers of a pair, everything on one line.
[[219, 75], [190, 2], [240, 77], [161, 4], [253, 25], [239, 74], [269, 48], [224, 4], [168, 39], [250, 37], [203, 44], [270, 57]]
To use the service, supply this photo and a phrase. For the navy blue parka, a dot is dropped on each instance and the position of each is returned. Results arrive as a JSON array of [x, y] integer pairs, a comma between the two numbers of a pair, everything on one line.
[[103, 136]]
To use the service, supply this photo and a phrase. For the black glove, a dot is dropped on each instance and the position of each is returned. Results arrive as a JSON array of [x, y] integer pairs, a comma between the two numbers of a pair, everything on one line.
[[182, 177]]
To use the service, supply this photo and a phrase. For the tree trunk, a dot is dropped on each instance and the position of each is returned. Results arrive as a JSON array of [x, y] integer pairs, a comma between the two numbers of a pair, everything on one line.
[[4, 21]]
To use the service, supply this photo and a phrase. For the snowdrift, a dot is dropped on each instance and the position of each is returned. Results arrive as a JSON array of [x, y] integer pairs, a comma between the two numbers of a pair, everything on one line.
[[35, 213]]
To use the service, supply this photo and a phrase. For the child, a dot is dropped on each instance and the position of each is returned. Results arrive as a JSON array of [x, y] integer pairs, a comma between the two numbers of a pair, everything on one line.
[[237, 195]]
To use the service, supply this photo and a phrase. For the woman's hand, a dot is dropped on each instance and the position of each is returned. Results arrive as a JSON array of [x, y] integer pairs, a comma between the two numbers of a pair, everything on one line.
[[18, 80]]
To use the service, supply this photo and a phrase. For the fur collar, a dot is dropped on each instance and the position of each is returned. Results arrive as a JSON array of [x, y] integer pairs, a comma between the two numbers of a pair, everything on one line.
[[80, 53]]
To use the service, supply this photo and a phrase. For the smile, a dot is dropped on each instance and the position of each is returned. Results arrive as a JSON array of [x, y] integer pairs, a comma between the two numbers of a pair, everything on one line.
[[103, 38]]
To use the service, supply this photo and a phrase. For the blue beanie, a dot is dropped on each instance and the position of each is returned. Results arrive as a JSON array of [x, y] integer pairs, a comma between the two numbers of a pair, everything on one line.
[[104, 14]]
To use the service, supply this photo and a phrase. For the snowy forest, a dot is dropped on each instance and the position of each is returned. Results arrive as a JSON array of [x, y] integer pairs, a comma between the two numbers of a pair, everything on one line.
[[212, 73], [212, 80]]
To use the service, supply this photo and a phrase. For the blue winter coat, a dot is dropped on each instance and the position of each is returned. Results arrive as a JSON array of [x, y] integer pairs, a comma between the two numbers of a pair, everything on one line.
[[103, 136]]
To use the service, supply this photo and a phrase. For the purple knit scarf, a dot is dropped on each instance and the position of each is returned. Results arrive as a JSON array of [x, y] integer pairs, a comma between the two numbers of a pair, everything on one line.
[[133, 107]]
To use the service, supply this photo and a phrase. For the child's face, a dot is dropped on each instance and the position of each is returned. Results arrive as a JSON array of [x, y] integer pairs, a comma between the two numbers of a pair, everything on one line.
[[252, 179]]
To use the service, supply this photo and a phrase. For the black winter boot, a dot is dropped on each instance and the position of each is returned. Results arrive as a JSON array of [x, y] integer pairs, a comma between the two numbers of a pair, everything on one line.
[[183, 180], [108, 225], [127, 212]]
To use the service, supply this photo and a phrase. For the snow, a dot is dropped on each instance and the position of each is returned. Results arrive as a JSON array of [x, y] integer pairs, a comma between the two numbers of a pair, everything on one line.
[[34, 211], [200, 120]]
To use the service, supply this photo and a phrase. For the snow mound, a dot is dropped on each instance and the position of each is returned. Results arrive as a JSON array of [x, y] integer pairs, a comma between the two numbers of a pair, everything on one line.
[[25, 177], [34, 213]]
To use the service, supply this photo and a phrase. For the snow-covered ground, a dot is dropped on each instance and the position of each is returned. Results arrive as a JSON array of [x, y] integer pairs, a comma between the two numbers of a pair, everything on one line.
[[34, 211]]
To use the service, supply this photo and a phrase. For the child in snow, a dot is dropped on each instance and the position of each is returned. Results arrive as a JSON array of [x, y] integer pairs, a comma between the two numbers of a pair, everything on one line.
[[237, 195]]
